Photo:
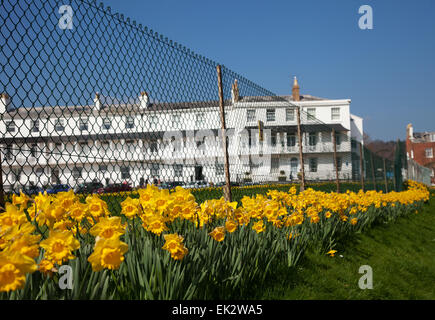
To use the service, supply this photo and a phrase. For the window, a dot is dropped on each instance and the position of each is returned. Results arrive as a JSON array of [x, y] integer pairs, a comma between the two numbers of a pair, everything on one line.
[[129, 122], [178, 170], [39, 171], [153, 147], [220, 169], [125, 172], [83, 124], [335, 113], [429, 153], [274, 164], [35, 126], [155, 169], [8, 152], [55, 176], [273, 138], [107, 123], [200, 120], [59, 125], [313, 165], [311, 114], [10, 126], [77, 172], [33, 151], [290, 114], [57, 147], [153, 121], [337, 138], [270, 115], [250, 115], [291, 140], [339, 163], [84, 147], [102, 168], [312, 139], [129, 145], [353, 144], [176, 121], [433, 137], [17, 174]]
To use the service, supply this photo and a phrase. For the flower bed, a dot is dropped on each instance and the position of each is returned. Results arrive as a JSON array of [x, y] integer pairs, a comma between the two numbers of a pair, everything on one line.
[[162, 244]]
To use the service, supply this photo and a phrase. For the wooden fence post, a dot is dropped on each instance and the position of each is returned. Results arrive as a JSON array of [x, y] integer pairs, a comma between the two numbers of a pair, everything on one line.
[[301, 156], [227, 188], [334, 141], [2, 192]]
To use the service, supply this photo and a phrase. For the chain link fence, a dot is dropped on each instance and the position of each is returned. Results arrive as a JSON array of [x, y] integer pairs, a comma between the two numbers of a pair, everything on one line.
[[419, 173], [95, 102]]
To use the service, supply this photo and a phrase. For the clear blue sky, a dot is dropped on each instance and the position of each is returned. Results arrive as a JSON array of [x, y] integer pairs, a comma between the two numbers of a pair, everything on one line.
[[388, 72]]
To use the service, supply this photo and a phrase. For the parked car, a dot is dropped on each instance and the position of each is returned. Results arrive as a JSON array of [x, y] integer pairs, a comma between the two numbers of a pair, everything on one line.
[[219, 184], [58, 188], [171, 185], [115, 187], [32, 190], [196, 185], [89, 187], [190, 185]]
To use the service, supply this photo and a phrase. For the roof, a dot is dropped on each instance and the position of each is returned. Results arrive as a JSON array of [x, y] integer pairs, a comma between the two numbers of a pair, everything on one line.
[[109, 110], [423, 136], [134, 107], [305, 97]]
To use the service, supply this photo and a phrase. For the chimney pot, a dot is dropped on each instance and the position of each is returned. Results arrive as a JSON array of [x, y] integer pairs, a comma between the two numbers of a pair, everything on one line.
[[295, 90], [235, 91], [97, 101], [4, 102], [144, 99]]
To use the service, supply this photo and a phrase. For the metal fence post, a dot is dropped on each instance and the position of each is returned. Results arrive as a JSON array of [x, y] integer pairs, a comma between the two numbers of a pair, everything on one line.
[[385, 177], [361, 164], [373, 172], [301, 156], [227, 189]]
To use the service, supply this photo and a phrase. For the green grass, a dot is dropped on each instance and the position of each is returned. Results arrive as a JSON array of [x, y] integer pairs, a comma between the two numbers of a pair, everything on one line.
[[401, 254]]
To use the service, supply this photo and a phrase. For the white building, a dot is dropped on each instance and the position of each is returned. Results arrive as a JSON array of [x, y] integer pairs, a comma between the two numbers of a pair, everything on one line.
[[135, 142]]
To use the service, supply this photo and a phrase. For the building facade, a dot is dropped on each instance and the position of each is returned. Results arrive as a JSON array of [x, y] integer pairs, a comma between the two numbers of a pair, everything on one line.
[[420, 147], [143, 140]]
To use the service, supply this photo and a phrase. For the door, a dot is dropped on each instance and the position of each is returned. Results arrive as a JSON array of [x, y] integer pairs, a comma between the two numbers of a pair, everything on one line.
[[198, 173]]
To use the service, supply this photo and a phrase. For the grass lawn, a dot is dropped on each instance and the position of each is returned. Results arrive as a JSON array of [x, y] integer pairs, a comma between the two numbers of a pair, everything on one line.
[[401, 254]]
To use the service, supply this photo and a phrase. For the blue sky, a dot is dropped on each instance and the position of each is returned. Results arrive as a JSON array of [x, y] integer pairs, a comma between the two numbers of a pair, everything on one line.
[[388, 72]]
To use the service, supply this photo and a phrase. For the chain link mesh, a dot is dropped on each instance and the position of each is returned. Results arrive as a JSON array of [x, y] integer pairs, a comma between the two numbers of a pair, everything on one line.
[[98, 103]]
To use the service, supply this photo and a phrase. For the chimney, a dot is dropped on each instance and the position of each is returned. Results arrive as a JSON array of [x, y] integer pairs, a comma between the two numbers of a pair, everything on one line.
[[235, 91], [97, 101], [295, 90], [5, 101], [144, 100], [409, 131]]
